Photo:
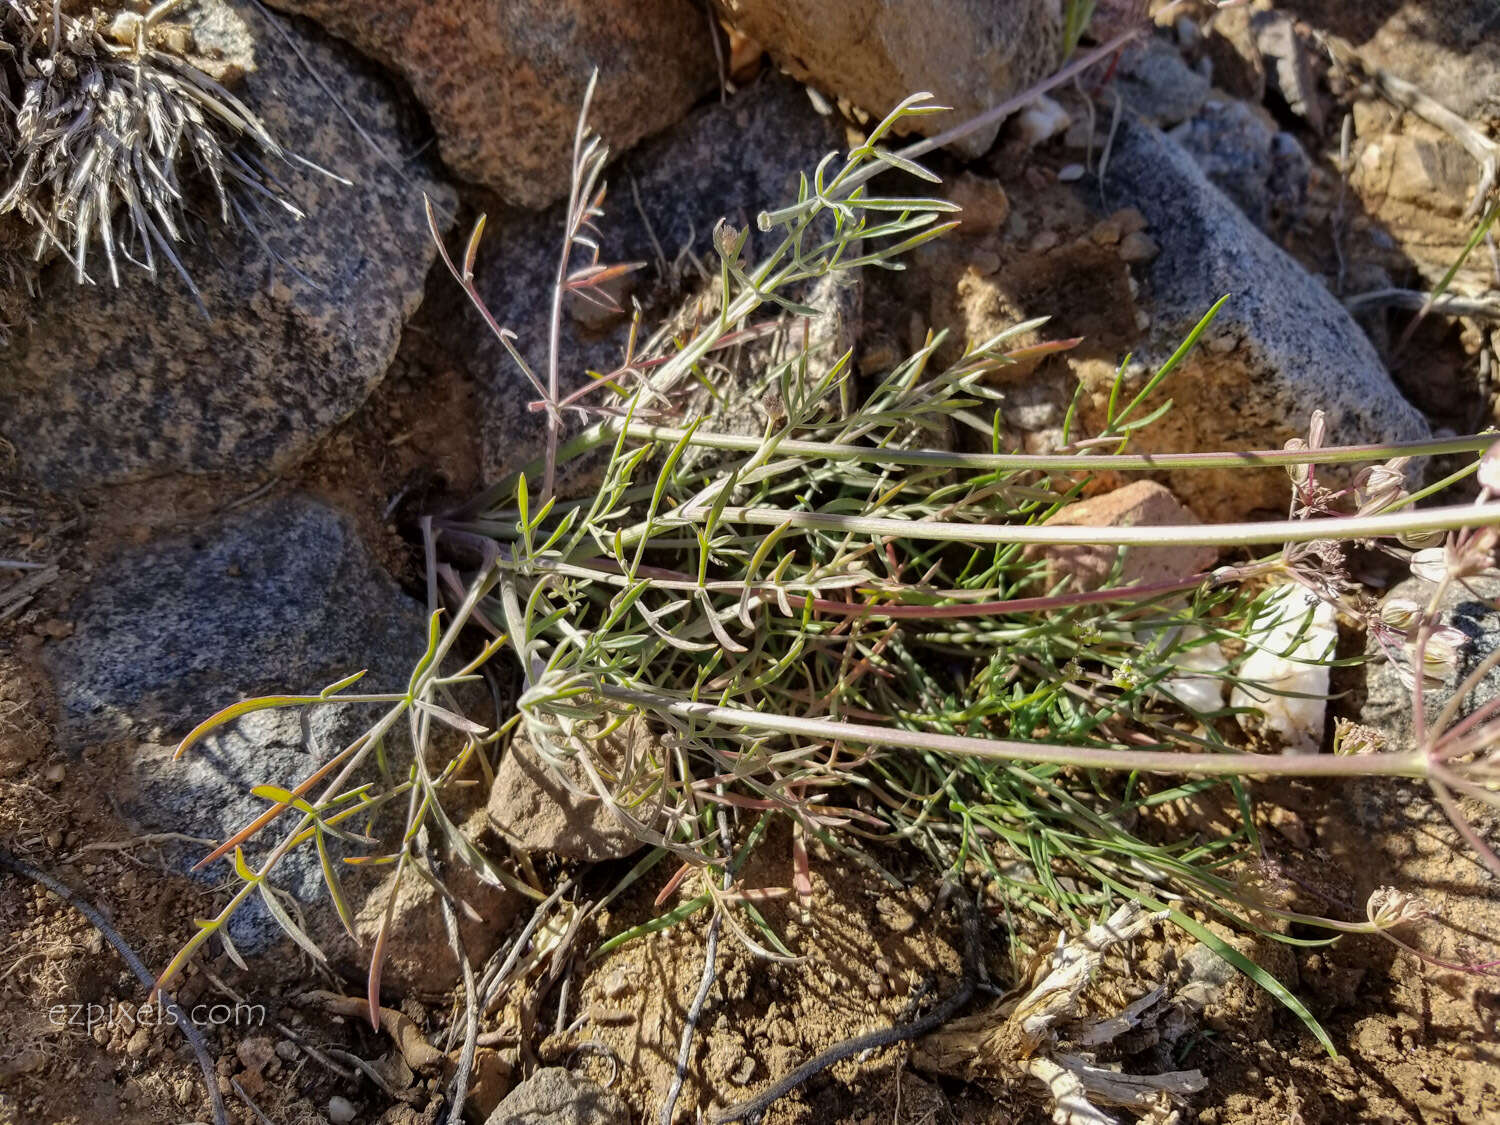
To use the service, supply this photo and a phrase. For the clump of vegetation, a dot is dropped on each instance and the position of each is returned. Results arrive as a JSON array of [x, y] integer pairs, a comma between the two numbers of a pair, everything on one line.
[[835, 620], [104, 119]]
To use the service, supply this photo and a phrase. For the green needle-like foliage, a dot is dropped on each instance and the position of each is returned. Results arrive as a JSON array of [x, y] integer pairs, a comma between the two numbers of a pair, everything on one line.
[[835, 620]]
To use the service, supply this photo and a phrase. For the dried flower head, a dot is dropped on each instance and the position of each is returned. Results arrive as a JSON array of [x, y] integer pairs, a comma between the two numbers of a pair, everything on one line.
[[1389, 907], [1377, 487], [1303, 475], [1440, 654], [1350, 737], [1401, 614], [1430, 564]]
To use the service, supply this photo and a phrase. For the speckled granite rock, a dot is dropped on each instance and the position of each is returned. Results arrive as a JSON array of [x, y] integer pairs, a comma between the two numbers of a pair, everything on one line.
[[685, 182], [1242, 153], [971, 54], [1155, 82], [1281, 347], [122, 384], [281, 597], [504, 82]]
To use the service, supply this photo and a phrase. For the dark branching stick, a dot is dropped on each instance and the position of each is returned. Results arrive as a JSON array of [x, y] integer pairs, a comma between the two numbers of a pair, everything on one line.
[[128, 955], [874, 1040], [459, 1088], [705, 982]]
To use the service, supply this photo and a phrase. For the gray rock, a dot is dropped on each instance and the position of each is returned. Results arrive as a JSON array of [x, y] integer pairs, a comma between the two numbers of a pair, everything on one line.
[[971, 54], [1231, 141], [685, 181], [1291, 174], [1280, 348], [504, 82], [1155, 82], [1388, 701], [116, 384], [1264, 171], [553, 1096], [280, 598]]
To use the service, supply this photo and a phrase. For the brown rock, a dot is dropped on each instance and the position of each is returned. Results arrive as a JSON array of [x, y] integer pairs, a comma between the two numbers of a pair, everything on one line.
[[970, 54], [418, 959], [1138, 246], [1448, 48], [256, 1053], [503, 83], [1106, 232], [1414, 181], [534, 808], [984, 202], [1142, 504]]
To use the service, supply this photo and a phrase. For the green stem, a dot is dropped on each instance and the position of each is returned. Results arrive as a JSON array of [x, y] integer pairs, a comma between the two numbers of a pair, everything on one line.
[[1411, 764], [1168, 535], [1055, 462], [607, 431]]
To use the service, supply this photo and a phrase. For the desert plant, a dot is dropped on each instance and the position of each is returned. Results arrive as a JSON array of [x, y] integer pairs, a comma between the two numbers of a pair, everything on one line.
[[835, 619], [102, 117]]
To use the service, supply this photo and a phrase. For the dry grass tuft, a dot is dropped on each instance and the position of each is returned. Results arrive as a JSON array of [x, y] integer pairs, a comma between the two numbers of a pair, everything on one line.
[[103, 121]]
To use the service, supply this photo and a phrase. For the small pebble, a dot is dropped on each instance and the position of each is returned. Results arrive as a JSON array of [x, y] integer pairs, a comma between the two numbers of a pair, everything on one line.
[[1044, 241], [985, 262], [137, 1044], [743, 1072], [1137, 247], [1042, 120], [340, 1110], [616, 985], [1187, 31], [1106, 233], [256, 1053], [1070, 173]]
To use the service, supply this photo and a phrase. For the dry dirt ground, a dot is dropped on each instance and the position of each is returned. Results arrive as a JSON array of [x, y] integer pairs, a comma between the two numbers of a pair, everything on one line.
[[1417, 1043]]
